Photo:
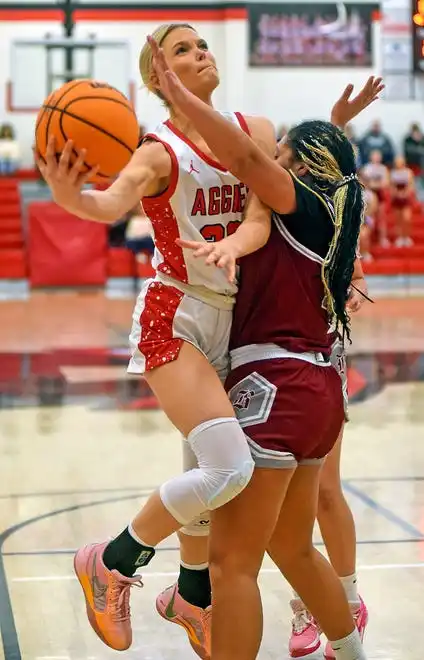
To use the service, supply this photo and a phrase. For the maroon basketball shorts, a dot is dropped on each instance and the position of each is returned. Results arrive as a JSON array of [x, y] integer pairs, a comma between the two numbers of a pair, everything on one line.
[[291, 409]]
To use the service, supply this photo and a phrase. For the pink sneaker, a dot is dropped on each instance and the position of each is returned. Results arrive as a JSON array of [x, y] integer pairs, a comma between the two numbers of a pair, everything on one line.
[[107, 596], [195, 620], [305, 639], [361, 619]]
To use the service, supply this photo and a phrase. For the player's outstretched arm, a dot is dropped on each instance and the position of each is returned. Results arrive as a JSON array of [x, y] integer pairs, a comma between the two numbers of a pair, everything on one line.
[[251, 235], [233, 148], [149, 165]]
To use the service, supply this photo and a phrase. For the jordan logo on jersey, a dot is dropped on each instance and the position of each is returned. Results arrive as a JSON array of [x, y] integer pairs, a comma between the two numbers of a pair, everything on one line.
[[192, 168], [243, 399]]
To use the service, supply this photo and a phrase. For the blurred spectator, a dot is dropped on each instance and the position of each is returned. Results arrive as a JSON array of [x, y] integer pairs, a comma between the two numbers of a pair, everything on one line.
[[413, 149], [376, 177], [402, 190], [138, 235], [10, 152], [371, 205], [375, 140]]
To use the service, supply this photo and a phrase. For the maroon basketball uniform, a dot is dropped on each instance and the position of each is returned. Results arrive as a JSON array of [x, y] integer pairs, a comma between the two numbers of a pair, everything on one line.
[[287, 396]]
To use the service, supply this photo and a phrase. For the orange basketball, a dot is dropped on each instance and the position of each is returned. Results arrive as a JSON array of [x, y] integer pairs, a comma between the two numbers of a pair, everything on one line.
[[96, 117]]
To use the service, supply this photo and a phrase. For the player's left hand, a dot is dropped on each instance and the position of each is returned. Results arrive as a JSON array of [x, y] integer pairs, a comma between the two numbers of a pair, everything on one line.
[[171, 86], [221, 253], [356, 299], [346, 108]]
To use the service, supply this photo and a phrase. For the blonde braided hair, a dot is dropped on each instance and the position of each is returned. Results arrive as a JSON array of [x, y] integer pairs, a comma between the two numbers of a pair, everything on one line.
[[329, 157]]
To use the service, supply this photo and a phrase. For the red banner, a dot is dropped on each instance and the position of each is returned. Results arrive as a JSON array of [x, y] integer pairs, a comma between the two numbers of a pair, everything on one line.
[[63, 249]]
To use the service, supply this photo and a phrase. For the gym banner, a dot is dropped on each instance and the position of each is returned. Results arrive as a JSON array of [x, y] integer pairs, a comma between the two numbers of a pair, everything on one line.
[[308, 35]]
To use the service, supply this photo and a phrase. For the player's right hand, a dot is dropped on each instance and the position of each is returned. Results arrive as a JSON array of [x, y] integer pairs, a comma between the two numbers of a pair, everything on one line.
[[221, 253], [64, 178]]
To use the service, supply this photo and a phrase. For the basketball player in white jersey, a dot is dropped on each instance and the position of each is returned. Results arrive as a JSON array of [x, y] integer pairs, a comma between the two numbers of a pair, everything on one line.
[[181, 321]]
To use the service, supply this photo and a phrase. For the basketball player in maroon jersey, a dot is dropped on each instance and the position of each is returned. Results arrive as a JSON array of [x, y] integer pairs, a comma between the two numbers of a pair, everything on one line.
[[282, 384]]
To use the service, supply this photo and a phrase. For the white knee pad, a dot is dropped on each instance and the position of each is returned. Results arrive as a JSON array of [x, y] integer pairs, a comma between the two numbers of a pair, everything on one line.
[[223, 456], [201, 523], [225, 468], [189, 457], [200, 526]]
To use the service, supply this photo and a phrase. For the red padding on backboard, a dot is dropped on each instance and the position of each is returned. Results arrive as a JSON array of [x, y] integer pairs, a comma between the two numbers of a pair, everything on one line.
[[65, 250]]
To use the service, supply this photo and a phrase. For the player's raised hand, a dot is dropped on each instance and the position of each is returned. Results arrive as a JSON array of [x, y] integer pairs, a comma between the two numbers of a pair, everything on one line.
[[220, 253], [171, 86], [64, 177], [346, 107]]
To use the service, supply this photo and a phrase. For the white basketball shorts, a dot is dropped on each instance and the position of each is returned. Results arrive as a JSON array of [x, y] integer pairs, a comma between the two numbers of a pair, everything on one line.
[[164, 317]]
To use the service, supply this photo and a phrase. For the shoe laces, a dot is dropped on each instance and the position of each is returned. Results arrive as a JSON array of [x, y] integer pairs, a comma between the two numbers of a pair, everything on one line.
[[206, 616], [301, 620], [206, 625], [119, 598]]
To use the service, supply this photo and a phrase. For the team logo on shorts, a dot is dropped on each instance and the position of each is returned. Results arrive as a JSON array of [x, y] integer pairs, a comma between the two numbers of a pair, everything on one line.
[[243, 399], [341, 363], [252, 398]]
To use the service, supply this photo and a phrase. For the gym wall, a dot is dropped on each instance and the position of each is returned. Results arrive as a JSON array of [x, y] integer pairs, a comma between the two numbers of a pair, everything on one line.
[[285, 95]]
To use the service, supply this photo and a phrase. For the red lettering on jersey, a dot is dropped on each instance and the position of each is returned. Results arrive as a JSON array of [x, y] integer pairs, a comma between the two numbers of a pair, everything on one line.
[[214, 201], [227, 199], [233, 226], [199, 205], [220, 200], [239, 200], [213, 233]]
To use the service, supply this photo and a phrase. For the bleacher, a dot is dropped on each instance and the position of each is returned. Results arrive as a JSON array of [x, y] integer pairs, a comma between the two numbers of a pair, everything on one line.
[[13, 255], [119, 268], [25, 208], [394, 260]]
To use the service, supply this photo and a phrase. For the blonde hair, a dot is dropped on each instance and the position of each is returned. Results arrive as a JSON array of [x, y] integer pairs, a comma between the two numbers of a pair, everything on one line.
[[145, 62], [330, 160]]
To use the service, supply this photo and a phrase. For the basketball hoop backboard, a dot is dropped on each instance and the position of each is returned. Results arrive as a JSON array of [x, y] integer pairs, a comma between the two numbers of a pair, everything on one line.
[[40, 66]]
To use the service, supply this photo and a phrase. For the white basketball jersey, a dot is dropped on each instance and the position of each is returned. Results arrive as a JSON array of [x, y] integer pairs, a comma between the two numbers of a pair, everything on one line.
[[202, 202]]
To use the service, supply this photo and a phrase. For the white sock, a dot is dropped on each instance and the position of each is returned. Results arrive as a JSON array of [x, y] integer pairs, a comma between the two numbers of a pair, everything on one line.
[[195, 567], [350, 585], [349, 648]]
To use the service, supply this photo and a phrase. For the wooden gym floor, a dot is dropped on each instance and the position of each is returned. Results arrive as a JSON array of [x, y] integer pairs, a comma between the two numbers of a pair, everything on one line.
[[81, 446]]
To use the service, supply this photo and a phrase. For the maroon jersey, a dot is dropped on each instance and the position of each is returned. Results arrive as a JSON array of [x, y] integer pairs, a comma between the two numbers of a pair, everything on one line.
[[280, 300]]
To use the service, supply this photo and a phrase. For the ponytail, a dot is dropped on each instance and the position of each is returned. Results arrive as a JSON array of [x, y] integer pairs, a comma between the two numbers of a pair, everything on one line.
[[330, 159]]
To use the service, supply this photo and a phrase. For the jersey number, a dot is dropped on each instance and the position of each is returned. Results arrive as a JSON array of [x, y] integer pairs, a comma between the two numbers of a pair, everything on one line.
[[214, 233]]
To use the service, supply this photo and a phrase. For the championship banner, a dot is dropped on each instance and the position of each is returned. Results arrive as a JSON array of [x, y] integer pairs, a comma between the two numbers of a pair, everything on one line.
[[308, 35]]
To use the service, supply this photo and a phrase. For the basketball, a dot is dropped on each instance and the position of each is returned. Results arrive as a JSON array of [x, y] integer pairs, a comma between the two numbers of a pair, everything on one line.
[[96, 117]]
